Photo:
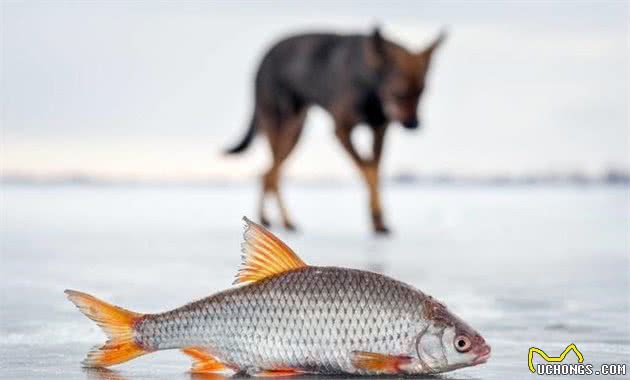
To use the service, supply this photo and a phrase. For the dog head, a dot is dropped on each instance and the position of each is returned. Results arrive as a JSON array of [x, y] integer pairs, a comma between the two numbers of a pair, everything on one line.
[[402, 76]]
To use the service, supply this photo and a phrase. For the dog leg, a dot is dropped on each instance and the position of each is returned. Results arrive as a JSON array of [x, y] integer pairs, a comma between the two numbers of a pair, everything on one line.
[[267, 124], [270, 181], [292, 130], [282, 143], [371, 173], [368, 169], [265, 181]]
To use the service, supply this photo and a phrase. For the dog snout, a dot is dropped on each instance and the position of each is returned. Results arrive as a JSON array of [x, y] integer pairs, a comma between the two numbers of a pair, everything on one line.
[[411, 124]]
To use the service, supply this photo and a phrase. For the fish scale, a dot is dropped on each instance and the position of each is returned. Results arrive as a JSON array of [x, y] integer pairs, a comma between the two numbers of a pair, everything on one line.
[[310, 317]]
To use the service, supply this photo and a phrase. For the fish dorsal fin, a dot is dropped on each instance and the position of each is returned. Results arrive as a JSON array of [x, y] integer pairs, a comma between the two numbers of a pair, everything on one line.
[[264, 255]]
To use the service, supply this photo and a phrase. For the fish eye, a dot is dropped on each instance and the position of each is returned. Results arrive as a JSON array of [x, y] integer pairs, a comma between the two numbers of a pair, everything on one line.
[[463, 343]]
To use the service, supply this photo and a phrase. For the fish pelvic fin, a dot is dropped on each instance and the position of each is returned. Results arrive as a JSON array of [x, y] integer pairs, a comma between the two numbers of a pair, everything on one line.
[[117, 323], [279, 372], [379, 363], [264, 255], [203, 361]]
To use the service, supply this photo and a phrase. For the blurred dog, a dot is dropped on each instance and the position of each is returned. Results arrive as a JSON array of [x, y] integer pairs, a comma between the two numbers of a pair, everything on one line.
[[356, 78]]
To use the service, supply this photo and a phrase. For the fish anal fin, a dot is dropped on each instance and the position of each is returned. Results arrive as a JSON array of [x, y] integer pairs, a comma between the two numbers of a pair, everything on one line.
[[379, 363], [203, 361], [279, 372], [264, 255]]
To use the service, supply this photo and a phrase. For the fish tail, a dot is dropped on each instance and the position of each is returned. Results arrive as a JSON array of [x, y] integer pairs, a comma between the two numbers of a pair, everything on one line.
[[117, 323]]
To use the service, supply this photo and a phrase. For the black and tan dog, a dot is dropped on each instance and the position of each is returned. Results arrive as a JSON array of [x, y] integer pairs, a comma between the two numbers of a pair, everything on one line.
[[356, 78]]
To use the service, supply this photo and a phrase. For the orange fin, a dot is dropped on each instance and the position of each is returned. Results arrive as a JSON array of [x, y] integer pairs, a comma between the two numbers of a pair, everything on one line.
[[279, 372], [116, 322], [264, 255], [380, 363], [203, 361], [209, 376]]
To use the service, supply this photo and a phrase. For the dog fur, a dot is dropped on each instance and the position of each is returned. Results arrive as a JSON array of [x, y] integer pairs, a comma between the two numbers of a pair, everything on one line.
[[358, 79]]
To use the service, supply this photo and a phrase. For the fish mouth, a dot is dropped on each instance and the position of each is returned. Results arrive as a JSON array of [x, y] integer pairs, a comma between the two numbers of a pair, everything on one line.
[[483, 356]]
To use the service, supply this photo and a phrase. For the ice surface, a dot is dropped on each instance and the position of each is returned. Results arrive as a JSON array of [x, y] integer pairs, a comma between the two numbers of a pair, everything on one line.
[[526, 266]]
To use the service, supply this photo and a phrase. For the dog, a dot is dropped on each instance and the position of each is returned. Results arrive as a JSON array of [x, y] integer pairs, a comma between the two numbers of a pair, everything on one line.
[[358, 79]]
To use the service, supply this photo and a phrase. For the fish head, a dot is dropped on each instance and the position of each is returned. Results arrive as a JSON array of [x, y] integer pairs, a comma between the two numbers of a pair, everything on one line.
[[447, 342]]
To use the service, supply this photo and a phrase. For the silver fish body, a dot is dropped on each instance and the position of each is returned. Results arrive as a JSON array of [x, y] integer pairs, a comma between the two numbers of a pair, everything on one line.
[[312, 319], [293, 318]]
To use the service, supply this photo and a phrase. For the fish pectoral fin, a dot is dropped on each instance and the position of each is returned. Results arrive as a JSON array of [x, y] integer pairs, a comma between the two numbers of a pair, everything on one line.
[[380, 363], [278, 372], [203, 361], [264, 255]]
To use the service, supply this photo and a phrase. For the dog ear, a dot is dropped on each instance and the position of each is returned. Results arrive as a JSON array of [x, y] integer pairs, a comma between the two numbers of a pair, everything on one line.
[[376, 49], [426, 53], [378, 42]]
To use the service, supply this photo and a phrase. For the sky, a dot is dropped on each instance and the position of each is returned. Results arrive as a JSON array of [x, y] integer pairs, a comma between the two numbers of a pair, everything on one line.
[[155, 90]]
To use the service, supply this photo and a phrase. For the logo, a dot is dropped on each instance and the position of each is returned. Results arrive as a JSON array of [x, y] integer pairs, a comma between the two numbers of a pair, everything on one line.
[[550, 359], [555, 365]]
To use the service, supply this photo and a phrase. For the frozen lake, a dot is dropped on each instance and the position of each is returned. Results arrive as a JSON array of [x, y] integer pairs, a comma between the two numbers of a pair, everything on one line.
[[526, 266]]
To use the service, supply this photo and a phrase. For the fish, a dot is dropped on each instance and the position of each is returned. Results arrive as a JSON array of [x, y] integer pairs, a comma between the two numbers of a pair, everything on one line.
[[284, 317]]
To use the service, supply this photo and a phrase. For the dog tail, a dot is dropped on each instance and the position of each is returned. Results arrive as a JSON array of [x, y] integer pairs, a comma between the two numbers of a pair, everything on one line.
[[247, 139]]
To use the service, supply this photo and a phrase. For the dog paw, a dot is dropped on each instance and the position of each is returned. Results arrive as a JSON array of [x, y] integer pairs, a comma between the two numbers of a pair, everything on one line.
[[290, 226], [381, 230]]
